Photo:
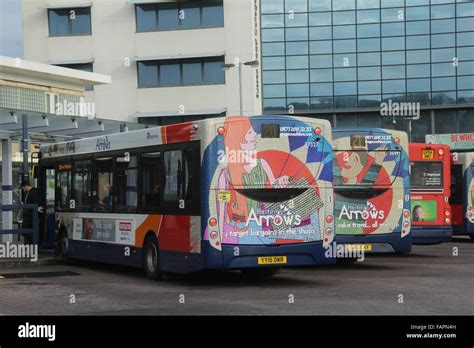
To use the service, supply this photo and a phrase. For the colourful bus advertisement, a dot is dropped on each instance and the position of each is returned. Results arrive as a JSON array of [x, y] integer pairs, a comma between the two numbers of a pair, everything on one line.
[[462, 183], [430, 191], [246, 193], [372, 190]]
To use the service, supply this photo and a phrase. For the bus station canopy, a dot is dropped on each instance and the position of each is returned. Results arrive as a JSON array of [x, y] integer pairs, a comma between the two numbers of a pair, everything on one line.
[[52, 99]]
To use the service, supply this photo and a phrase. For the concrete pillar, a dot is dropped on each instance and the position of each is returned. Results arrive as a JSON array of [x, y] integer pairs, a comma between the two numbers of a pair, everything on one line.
[[7, 188]]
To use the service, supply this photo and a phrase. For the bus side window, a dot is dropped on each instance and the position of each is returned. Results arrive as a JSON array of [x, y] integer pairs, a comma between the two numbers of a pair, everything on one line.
[[104, 169], [151, 183], [175, 178], [82, 185], [126, 184], [64, 189]]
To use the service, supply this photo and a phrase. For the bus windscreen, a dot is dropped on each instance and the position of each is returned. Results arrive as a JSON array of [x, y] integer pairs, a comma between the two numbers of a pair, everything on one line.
[[426, 175]]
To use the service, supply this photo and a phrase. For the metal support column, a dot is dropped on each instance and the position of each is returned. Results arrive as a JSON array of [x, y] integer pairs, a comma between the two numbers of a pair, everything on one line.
[[25, 148], [7, 188]]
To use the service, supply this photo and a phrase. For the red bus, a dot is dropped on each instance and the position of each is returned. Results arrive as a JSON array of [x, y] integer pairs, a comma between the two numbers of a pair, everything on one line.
[[430, 191]]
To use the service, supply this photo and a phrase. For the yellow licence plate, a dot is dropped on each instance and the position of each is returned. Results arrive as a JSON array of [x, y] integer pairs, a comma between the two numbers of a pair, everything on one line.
[[427, 154], [355, 247], [272, 260]]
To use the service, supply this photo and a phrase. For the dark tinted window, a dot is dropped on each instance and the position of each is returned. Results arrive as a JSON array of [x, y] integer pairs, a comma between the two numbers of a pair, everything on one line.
[[426, 175], [72, 21]]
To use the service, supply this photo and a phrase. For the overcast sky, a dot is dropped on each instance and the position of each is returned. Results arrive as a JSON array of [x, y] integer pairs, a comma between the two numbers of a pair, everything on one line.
[[11, 28]]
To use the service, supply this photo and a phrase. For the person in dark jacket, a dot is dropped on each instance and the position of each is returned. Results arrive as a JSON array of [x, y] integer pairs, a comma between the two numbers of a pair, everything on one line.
[[31, 196]]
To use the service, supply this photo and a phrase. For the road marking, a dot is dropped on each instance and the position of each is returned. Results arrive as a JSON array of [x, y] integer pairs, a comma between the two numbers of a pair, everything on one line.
[[1, 277]]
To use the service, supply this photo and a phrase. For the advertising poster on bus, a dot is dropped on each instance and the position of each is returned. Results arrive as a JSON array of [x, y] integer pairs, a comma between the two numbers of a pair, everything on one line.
[[371, 181], [270, 176], [424, 210]]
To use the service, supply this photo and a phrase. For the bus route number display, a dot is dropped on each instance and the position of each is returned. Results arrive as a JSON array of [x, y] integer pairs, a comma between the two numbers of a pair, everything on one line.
[[427, 154], [270, 131]]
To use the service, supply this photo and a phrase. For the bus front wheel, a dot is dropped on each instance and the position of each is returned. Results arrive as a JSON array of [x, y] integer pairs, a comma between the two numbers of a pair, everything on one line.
[[151, 259]]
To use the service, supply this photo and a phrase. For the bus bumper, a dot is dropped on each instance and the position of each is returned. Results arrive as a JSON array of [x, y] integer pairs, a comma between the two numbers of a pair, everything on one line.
[[246, 256], [380, 243], [428, 235]]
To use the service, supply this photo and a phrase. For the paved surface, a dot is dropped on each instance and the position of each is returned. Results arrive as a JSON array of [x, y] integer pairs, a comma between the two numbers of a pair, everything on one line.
[[431, 280]]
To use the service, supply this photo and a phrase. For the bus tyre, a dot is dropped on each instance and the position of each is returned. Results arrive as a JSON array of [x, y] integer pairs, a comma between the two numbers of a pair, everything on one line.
[[254, 273], [151, 258]]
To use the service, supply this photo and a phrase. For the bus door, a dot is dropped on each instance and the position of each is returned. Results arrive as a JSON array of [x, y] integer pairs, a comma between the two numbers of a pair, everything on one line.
[[370, 187], [272, 191], [46, 186]]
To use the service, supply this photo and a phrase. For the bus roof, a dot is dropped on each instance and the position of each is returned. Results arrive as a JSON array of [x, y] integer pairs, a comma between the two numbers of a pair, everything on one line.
[[175, 133]]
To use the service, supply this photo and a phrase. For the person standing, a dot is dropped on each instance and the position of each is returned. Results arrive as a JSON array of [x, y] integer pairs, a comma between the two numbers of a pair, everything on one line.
[[31, 196]]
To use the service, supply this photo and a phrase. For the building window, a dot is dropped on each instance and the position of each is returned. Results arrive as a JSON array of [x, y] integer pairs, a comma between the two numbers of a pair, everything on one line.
[[177, 16], [183, 72], [83, 67], [71, 21]]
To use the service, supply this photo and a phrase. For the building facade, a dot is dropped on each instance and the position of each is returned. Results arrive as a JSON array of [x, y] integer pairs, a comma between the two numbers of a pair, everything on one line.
[[165, 57], [333, 59], [341, 59]]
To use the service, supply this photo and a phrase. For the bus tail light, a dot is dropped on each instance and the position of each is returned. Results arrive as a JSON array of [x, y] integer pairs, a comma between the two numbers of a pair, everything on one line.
[[441, 152], [329, 219], [213, 235], [329, 231], [317, 131], [469, 207], [212, 222], [406, 214], [396, 141], [447, 213], [221, 130], [447, 220], [406, 224]]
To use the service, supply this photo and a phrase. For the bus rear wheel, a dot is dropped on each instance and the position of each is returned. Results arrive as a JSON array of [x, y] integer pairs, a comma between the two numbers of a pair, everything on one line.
[[255, 273], [151, 259]]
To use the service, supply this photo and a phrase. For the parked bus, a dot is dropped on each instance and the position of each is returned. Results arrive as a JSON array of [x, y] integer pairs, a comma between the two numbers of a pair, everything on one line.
[[430, 191], [242, 193], [372, 190], [462, 183]]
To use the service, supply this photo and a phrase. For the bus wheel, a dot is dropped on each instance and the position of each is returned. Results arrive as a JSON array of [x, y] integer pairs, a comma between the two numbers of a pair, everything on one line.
[[151, 259], [255, 273]]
